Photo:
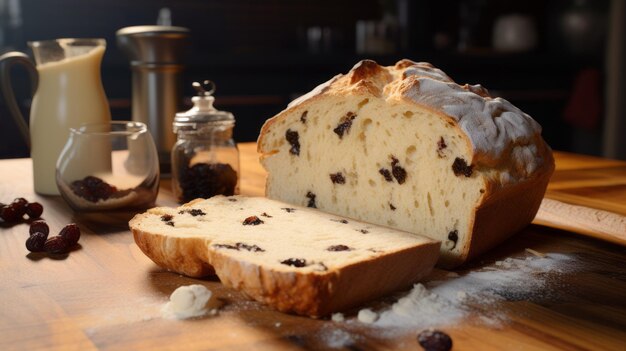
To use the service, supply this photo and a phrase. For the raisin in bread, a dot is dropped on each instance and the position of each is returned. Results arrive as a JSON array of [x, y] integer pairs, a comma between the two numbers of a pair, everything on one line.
[[293, 258], [406, 147]]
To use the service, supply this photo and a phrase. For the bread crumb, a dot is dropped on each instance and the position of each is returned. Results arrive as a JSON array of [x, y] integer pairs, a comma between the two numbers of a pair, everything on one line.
[[367, 316], [337, 317], [278, 324]]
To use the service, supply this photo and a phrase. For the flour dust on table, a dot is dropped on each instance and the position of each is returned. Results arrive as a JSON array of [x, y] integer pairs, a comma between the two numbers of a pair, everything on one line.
[[443, 303]]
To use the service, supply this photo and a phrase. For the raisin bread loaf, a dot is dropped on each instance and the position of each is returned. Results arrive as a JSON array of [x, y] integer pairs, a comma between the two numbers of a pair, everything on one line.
[[405, 146], [293, 258]]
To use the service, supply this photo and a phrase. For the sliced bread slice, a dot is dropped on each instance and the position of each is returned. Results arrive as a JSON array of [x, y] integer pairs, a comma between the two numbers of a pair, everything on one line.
[[292, 258]]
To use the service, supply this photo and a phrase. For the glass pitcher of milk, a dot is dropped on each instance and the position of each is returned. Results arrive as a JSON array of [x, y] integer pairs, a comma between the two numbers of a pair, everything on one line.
[[68, 93]]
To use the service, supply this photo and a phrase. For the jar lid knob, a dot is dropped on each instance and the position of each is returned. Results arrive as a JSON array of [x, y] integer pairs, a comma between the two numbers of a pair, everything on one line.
[[207, 87]]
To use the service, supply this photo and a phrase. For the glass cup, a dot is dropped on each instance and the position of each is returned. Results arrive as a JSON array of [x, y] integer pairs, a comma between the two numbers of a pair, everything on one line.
[[109, 166]]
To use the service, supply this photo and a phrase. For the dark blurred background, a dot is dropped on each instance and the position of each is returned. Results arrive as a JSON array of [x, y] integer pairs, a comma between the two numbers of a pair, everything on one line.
[[561, 61]]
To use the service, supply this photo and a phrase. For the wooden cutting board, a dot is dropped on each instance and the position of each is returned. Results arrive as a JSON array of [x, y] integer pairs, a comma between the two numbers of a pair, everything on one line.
[[587, 195]]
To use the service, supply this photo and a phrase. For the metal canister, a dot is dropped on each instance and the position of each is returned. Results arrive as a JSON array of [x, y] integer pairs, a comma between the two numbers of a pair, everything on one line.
[[156, 56]]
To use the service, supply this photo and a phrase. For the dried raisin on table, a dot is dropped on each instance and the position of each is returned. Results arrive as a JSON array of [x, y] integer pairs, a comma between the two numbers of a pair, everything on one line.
[[56, 245], [71, 234], [434, 340], [34, 210], [39, 226], [35, 242]]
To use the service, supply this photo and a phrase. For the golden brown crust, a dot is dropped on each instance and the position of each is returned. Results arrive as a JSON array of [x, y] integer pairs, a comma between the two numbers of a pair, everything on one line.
[[188, 256], [318, 294]]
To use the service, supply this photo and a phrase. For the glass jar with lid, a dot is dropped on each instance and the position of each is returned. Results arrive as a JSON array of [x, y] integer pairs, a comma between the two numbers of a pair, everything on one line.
[[205, 159]]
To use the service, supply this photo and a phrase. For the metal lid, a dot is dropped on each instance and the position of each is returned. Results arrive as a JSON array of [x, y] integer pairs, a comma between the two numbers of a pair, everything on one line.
[[154, 44], [202, 114]]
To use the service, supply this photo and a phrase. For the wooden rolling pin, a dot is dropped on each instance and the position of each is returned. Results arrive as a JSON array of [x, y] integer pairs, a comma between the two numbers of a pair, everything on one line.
[[583, 220]]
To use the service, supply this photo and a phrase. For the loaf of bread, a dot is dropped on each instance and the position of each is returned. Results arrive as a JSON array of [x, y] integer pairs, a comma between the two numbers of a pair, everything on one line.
[[406, 147], [293, 258]]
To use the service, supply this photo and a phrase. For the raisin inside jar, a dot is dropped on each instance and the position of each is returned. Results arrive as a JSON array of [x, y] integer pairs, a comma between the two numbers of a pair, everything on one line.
[[205, 180]]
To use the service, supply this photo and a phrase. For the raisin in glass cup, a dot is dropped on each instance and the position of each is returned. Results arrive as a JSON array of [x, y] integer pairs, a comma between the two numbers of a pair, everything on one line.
[[109, 166]]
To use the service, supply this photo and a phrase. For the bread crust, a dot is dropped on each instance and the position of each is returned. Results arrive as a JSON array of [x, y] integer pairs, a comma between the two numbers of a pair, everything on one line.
[[318, 294]]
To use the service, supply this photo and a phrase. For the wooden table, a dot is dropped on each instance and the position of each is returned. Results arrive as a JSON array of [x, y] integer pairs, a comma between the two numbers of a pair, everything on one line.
[[108, 295]]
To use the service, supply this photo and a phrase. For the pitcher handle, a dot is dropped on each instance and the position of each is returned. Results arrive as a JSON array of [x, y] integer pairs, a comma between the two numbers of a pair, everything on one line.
[[6, 62]]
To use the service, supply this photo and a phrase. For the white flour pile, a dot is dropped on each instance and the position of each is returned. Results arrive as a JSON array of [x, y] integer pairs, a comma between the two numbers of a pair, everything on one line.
[[444, 302]]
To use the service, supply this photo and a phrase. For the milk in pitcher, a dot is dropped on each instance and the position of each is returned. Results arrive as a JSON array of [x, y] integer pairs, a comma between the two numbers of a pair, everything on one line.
[[70, 93]]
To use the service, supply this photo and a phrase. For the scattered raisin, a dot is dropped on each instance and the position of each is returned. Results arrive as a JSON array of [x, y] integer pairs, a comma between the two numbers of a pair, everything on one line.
[[39, 226], [167, 217], [460, 167], [303, 117], [56, 245], [35, 243], [10, 213], [311, 198], [344, 126], [232, 200], [338, 248], [454, 237], [392, 207], [363, 231], [34, 210], [293, 138], [386, 173], [398, 172], [71, 234], [21, 202], [441, 144], [288, 209], [93, 189], [344, 221], [434, 340], [295, 262], [252, 220], [264, 214], [239, 246], [194, 212], [337, 178], [204, 180]]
